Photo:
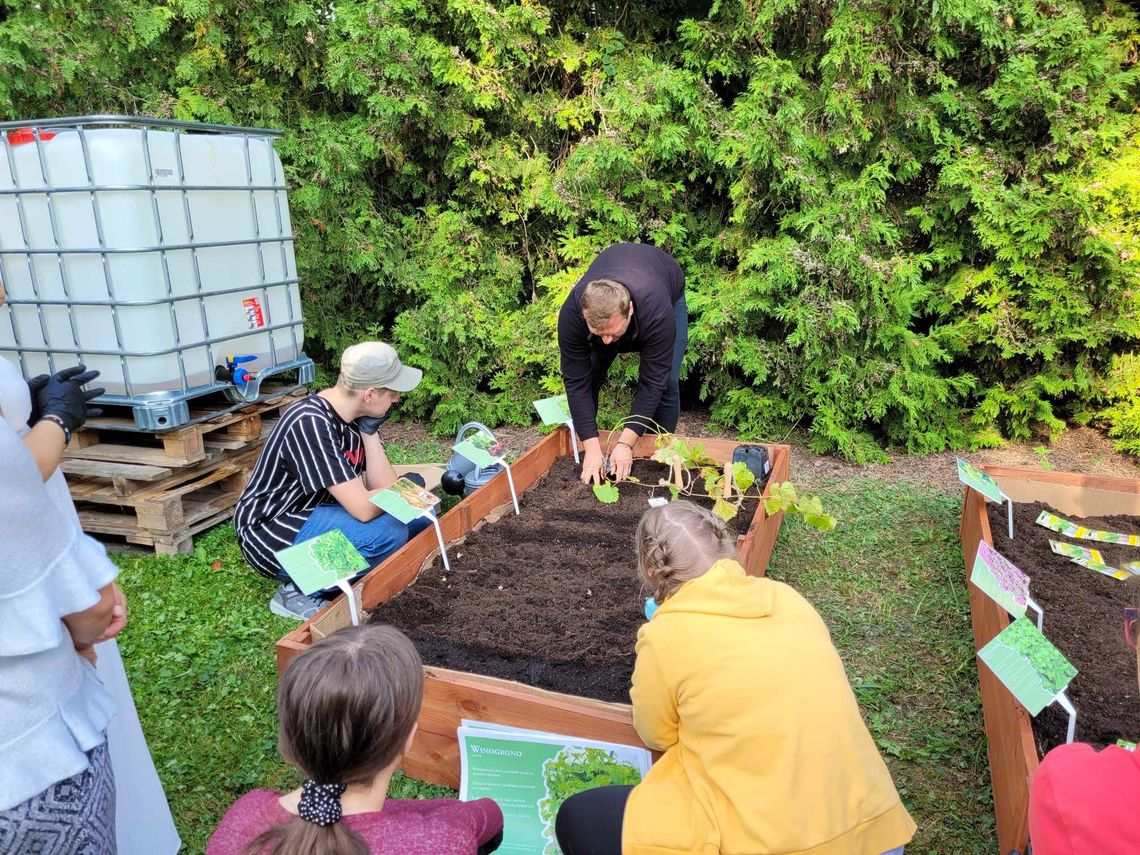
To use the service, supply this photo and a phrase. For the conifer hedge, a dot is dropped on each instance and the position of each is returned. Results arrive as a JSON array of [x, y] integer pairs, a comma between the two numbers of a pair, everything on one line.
[[913, 224]]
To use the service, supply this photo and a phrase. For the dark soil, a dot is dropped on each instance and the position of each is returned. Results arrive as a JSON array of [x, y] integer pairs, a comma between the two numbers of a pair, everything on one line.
[[1083, 618], [550, 598]]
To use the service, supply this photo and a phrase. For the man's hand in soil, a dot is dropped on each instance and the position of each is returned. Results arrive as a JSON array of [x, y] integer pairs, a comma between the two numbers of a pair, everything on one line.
[[621, 461], [593, 462]]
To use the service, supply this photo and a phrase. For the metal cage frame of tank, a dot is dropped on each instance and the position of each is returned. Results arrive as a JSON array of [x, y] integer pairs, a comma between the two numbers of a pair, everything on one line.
[[154, 410]]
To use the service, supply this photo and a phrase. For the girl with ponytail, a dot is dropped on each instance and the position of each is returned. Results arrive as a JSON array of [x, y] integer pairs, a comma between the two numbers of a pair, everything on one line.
[[348, 708], [737, 683]]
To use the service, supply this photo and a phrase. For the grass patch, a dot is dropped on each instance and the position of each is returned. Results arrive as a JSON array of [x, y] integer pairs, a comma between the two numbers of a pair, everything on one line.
[[199, 651], [890, 585]]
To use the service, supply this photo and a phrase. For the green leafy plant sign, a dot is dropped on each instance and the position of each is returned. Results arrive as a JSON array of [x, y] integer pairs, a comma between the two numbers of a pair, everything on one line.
[[573, 770], [335, 554]]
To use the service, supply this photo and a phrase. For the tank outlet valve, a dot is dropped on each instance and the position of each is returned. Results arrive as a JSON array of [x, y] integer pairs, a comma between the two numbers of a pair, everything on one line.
[[232, 372]]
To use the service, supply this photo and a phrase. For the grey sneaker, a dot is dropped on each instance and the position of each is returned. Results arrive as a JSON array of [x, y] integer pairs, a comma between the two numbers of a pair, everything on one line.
[[290, 602]]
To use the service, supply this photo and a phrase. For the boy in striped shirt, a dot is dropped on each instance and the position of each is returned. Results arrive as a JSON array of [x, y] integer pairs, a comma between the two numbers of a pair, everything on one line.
[[319, 468]]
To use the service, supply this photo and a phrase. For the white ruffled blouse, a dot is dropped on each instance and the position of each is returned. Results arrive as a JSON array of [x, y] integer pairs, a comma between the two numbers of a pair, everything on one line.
[[53, 708]]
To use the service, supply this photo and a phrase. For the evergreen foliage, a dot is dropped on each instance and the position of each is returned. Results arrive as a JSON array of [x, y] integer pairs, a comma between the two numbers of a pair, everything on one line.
[[909, 224]]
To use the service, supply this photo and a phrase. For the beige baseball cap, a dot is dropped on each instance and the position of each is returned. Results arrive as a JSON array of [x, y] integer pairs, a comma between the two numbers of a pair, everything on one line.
[[373, 364]]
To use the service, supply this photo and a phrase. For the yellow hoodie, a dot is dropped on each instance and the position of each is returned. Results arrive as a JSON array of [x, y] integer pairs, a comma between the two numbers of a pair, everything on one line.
[[765, 753]]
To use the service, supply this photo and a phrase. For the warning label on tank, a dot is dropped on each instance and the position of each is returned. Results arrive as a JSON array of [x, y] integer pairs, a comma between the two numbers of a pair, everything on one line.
[[253, 316]]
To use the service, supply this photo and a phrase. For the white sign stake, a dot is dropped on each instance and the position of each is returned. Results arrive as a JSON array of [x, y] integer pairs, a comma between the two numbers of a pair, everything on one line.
[[1068, 707], [511, 481], [1009, 508], [439, 537], [348, 592], [573, 440], [1033, 604]]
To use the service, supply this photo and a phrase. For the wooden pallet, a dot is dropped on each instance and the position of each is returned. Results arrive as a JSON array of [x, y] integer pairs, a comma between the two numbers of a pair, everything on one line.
[[169, 514], [135, 455]]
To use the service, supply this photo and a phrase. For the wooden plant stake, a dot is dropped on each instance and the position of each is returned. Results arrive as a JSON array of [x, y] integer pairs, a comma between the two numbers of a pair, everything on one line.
[[728, 479]]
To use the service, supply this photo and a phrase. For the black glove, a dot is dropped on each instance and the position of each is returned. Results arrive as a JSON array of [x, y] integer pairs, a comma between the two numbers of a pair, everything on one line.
[[370, 424], [34, 387], [63, 396]]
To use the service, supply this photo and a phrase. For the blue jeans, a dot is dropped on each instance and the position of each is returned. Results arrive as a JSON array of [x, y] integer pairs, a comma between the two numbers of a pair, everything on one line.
[[376, 539], [669, 407]]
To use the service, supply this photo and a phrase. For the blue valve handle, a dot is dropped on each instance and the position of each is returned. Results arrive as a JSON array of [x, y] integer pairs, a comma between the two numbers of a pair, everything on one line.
[[241, 377]]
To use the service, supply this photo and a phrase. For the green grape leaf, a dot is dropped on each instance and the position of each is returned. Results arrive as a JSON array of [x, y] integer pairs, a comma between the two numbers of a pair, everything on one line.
[[724, 509], [606, 493]]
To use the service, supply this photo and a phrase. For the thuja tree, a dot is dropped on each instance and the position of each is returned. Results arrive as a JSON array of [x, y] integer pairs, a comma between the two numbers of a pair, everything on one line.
[[904, 224]]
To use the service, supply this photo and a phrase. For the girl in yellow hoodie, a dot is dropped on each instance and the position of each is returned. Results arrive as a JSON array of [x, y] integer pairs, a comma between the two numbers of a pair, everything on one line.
[[738, 684]]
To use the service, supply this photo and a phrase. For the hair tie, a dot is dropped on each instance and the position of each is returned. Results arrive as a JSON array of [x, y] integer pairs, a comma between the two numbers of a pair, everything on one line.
[[320, 803]]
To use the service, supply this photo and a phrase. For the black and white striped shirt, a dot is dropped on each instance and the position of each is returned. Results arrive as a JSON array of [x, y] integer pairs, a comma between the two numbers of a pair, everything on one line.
[[311, 449]]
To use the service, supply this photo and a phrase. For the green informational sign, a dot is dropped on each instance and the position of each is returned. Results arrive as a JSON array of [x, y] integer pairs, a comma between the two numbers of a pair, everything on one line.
[[1028, 665], [553, 411], [405, 500], [481, 450], [321, 562], [530, 773], [1071, 529], [972, 476], [1000, 580]]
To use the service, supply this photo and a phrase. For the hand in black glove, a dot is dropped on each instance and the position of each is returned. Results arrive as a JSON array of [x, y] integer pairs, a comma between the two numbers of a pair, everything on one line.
[[34, 387], [63, 395], [370, 424]]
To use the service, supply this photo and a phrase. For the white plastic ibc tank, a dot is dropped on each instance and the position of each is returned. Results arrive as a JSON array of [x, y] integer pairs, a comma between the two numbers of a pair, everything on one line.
[[121, 223]]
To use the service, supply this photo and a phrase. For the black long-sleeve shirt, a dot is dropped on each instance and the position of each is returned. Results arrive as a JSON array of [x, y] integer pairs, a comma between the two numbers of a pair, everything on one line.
[[655, 282]]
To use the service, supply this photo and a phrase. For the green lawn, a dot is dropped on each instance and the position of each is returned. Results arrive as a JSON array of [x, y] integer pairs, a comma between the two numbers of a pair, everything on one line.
[[889, 582]]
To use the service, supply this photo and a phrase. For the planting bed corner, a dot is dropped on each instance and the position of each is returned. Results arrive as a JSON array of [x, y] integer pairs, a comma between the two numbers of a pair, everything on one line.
[[1013, 748], [451, 695]]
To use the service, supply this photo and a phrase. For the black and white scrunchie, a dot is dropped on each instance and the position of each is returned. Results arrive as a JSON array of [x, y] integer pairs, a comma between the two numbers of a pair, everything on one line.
[[320, 803]]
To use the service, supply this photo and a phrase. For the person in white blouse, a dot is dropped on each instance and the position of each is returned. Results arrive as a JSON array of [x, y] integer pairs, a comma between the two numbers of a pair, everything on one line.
[[142, 819]]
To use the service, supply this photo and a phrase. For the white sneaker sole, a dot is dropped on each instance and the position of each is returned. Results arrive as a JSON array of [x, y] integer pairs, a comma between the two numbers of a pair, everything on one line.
[[279, 609]]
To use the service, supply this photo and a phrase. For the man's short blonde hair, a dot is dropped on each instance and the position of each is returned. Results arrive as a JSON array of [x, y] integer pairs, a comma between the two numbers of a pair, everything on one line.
[[601, 300]]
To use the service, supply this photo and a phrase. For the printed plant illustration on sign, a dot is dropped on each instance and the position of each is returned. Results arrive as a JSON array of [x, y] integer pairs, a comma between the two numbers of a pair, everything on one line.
[[573, 770], [336, 555], [1028, 665], [486, 443], [1071, 529], [1000, 580], [972, 476], [321, 562], [1071, 550]]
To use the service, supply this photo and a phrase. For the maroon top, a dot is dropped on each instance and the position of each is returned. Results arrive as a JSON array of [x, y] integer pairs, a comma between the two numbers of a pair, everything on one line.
[[402, 827]]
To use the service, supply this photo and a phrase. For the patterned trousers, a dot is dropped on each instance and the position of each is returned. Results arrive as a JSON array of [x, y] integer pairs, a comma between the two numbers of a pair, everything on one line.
[[76, 816]]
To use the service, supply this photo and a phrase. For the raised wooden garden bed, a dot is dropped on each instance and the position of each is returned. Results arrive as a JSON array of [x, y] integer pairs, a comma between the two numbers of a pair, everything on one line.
[[1013, 752], [453, 695]]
